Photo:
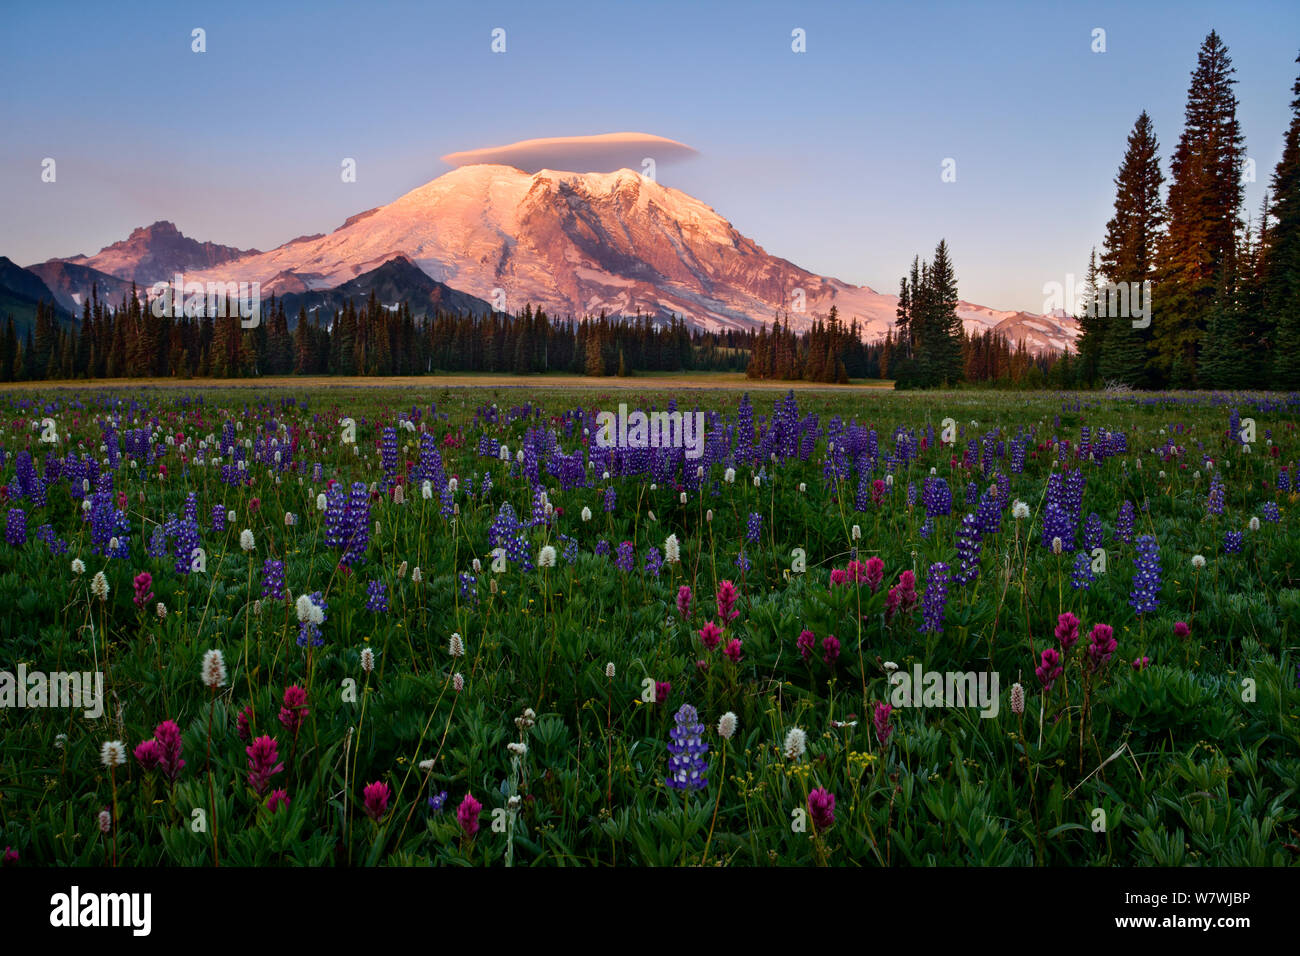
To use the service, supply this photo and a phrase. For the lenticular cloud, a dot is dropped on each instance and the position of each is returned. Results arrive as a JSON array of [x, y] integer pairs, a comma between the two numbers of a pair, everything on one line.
[[580, 154]]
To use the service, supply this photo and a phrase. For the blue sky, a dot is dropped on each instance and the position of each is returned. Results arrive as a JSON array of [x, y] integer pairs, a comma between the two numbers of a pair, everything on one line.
[[830, 158]]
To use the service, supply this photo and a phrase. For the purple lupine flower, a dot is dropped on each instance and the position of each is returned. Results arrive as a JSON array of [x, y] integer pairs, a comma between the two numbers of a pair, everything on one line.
[[1093, 532], [968, 550], [1124, 523], [610, 497], [687, 763], [1081, 576], [742, 561], [438, 801], [937, 497], [1232, 542], [1269, 512], [377, 597], [273, 579], [653, 562], [1145, 595], [218, 517], [1214, 501], [935, 599], [16, 527], [602, 548], [626, 557], [754, 527]]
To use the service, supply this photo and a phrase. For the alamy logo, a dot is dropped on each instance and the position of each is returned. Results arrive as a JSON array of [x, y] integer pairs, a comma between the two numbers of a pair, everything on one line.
[[1122, 300], [56, 689], [195, 300], [653, 430], [74, 909], [945, 689]]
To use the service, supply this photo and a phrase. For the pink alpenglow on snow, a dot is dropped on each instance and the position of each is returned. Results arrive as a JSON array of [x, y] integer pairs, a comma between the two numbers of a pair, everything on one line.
[[467, 814], [376, 799]]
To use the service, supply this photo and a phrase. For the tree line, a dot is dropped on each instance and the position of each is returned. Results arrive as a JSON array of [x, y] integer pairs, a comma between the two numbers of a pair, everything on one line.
[[1225, 294]]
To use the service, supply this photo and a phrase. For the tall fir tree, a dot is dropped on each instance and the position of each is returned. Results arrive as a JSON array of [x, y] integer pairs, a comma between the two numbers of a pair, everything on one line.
[[1280, 256], [1204, 215]]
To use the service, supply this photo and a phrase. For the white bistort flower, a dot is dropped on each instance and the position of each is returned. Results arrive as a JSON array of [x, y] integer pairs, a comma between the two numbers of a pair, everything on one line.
[[246, 540], [672, 550], [586, 513], [456, 647], [729, 476], [609, 670], [214, 669], [112, 754], [367, 659], [727, 725], [546, 557], [99, 586], [78, 566], [1019, 510], [1198, 561], [796, 741]]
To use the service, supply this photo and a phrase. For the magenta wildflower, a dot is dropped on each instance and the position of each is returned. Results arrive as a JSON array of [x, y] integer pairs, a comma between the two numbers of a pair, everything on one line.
[[710, 635], [263, 763], [874, 573], [881, 719], [294, 709], [241, 722], [684, 600], [831, 647], [727, 602], [148, 753], [1050, 668], [839, 577], [1181, 629], [467, 814], [821, 807], [376, 797], [1141, 663], [168, 736], [1103, 645], [10, 856], [662, 689], [805, 643], [142, 583], [277, 799], [732, 650], [1067, 630]]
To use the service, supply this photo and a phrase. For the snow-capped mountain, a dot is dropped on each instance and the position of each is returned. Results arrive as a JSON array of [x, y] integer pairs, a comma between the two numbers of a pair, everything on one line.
[[156, 253], [579, 243]]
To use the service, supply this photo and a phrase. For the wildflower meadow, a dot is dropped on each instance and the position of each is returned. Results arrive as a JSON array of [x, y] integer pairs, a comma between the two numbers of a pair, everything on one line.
[[378, 626]]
